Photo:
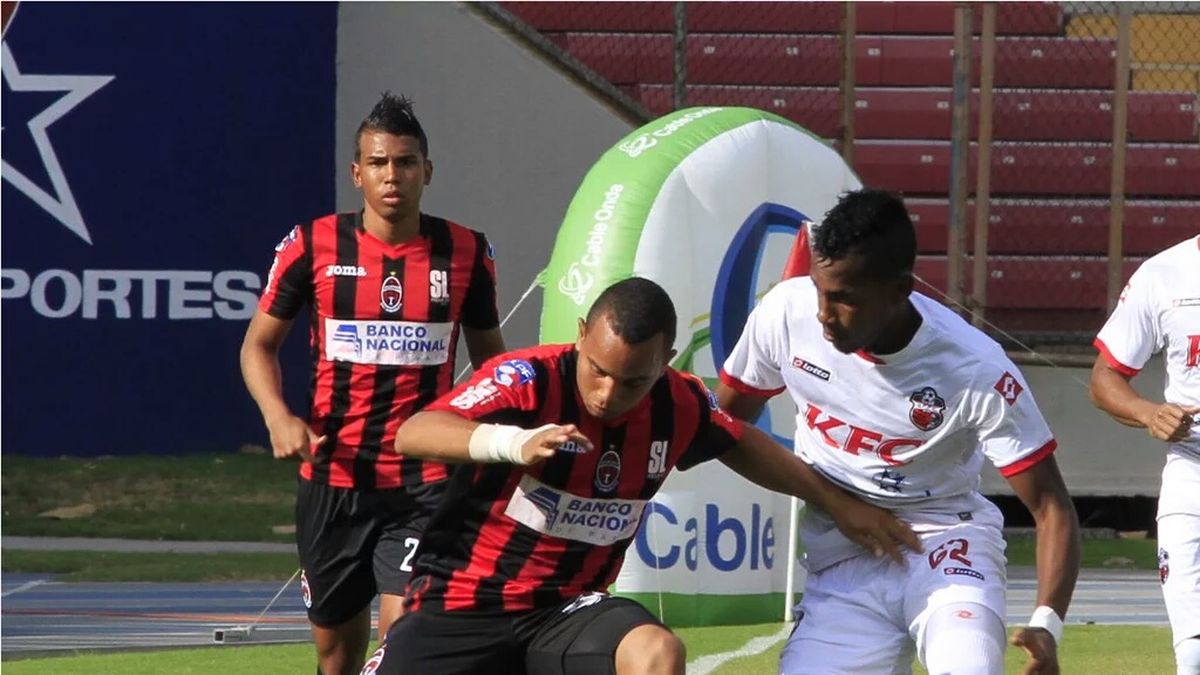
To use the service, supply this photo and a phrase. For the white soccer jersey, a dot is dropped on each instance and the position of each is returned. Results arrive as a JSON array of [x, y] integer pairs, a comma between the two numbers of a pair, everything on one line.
[[909, 430], [1159, 310]]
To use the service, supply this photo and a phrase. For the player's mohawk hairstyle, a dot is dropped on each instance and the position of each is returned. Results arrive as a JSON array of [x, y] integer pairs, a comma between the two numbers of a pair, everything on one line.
[[393, 115], [637, 309], [873, 223]]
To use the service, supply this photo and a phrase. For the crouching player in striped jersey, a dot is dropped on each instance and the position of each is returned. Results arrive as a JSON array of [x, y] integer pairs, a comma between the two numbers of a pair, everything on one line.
[[900, 401], [566, 444]]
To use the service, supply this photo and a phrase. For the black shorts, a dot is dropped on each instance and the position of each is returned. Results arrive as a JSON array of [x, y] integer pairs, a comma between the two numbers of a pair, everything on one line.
[[354, 544], [577, 637]]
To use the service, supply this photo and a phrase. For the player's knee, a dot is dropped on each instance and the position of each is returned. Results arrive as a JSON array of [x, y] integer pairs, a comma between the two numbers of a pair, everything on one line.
[[650, 649], [963, 638], [1187, 656]]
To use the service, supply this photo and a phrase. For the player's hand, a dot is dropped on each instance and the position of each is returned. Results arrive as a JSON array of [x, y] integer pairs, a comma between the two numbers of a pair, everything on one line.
[[1039, 644], [291, 437], [875, 529], [543, 445], [1171, 422]]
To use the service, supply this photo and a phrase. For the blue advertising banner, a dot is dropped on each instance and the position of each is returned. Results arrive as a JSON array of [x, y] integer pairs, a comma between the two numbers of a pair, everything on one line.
[[153, 155]]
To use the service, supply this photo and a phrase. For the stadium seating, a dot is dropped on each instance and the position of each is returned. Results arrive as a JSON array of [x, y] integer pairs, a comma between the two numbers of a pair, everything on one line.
[[923, 18], [911, 113], [1065, 227], [1052, 120]]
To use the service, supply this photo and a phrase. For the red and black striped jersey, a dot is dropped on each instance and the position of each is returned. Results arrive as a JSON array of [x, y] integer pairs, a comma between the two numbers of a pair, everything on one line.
[[384, 327], [511, 537]]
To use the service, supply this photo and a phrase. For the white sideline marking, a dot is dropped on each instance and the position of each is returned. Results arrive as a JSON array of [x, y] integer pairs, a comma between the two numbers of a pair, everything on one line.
[[706, 664], [23, 587]]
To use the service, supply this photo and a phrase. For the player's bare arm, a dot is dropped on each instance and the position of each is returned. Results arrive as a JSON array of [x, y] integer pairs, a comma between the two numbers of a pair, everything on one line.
[[290, 435], [483, 344], [446, 437], [1042, 490], [1112, 393], [741, 405], [765, 462]]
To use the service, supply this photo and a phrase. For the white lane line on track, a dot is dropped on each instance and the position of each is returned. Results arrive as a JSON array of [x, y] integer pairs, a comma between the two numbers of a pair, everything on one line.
[[706, 664], [23, 587]]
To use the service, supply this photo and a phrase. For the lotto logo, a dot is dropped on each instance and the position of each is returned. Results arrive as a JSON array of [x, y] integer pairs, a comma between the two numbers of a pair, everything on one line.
[[1009, 388]]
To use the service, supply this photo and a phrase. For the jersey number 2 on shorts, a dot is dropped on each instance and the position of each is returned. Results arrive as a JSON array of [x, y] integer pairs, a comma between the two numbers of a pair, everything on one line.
[[410, 543], [955, 549]]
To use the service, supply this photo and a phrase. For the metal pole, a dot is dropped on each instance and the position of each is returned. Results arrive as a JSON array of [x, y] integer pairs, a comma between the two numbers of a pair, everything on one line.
[[848, 31], [789, 589], [1116, 212], [983, 172], [680, 55], [960, 148]]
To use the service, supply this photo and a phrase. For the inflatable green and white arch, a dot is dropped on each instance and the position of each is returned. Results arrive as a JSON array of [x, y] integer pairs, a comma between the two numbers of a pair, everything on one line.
[[706, 202]]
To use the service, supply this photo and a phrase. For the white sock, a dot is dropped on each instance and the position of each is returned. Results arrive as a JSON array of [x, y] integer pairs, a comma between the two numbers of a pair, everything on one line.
[[963, 638]]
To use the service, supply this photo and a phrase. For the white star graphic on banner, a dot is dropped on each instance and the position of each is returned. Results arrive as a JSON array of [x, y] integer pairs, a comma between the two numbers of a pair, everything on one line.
[[61, 204]]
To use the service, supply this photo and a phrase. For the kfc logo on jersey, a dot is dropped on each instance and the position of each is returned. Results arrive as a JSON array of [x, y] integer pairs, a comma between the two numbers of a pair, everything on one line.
[[1009, 388], [391, 294], [1193, 355], [810, 368], [608, 471], [857, 439], [927, 410], [515, 371], [1164, 567]]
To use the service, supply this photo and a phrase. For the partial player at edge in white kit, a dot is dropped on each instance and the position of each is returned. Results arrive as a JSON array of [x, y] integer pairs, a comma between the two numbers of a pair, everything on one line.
[[1159, 311]]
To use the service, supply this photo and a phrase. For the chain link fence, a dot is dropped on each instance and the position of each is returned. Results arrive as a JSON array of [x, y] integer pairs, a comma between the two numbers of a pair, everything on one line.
[[1045, 149]]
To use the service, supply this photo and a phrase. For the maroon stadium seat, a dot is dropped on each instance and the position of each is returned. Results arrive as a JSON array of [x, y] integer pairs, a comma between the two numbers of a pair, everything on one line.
[[882, 18], [1067, 227], [1034, 283], [923, 167]]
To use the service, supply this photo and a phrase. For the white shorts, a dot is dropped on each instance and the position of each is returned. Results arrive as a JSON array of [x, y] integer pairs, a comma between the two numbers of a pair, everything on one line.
[[1179, 571], [867, 615]]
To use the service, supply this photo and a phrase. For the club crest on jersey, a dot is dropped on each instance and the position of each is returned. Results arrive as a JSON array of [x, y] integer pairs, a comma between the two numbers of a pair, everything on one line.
[[514, 371], [928, 409], [1164, 566], [391, 294], [608, 471], [305, 591], [1009, 388]]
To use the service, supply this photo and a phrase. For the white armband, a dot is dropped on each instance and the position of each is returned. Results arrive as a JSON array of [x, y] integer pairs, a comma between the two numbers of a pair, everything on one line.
[[501, 442], [1045, 617]]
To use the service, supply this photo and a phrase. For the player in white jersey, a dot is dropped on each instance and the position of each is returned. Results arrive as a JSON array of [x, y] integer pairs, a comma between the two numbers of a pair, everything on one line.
[[1159, 310], [900, 401]]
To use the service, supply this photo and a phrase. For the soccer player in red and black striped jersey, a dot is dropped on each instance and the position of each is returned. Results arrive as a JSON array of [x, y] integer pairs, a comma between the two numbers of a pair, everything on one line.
[[568, 443], [388, 290]]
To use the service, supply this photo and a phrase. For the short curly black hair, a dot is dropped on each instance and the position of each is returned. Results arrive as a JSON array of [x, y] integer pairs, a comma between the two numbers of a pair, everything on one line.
[[393, 115], [637, 309], [871, 223]]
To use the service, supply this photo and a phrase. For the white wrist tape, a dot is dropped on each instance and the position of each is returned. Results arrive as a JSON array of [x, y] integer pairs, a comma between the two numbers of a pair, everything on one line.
[[501, 442], [1045, 617]]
